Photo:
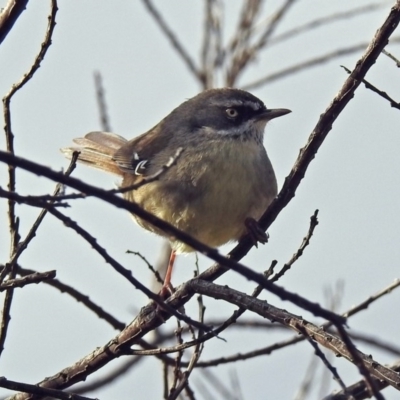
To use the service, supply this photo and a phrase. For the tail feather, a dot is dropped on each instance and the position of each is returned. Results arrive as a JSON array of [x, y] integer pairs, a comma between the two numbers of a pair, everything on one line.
[[97, 150], [107, 139]]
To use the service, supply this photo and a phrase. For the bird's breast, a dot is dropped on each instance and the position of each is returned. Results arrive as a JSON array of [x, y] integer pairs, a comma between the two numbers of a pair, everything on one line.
[[211, 191]]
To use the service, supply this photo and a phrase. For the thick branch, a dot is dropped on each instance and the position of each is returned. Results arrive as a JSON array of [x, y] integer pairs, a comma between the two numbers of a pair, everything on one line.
[[266, 310], [9, 16]]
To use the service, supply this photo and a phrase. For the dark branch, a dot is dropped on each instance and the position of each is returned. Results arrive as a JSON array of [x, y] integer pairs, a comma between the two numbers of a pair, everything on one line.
[[36, 277], [101, 102], [80, 297], [370, 86], [39, 391], [9, 16]]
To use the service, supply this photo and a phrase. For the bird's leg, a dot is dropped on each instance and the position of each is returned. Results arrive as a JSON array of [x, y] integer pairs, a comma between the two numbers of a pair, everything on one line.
[[167, 288], [255, 232]]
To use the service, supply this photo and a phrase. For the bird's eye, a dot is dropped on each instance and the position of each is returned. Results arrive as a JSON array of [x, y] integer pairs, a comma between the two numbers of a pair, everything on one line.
[[232, 112]]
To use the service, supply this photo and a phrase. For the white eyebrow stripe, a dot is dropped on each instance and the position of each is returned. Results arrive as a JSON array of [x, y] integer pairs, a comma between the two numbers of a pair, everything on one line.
[[240, 103]]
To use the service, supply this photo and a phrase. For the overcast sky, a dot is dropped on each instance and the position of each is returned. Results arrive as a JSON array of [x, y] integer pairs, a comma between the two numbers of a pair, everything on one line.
[[354, 182]]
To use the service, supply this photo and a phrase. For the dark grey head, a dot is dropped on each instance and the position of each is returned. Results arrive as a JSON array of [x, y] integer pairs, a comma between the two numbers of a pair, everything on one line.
[[231, 113]]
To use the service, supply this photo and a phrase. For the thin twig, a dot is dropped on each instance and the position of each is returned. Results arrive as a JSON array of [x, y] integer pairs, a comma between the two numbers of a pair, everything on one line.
[[273, 25], [359, 390], [45, 201], [392, 57], [194, 359], [212, 54], [33, 230], [247, 52], [15, 246], [324, 21], [122, 270], [101, 102], [151, 268], [151, 178], [112, 377], [392, 348], [177, 364], [39, 391], [173, 40], [321, 355], [300, 250], [219, 385], [366, 303], [148, 320], [370, 86], [36, 277], [238, 49], [80, 297], [54, 200], [285, 72], [342, 347], [212, 253], [296, 339]]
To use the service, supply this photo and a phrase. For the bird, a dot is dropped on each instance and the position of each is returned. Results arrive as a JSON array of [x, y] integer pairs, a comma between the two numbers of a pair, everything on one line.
[[221, 180]]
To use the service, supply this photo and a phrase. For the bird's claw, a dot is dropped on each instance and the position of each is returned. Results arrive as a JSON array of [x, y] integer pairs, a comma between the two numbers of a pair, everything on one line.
[[256, 233]]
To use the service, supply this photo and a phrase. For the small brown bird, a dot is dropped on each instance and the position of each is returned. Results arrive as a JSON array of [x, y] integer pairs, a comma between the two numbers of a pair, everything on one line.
[[220, 184]]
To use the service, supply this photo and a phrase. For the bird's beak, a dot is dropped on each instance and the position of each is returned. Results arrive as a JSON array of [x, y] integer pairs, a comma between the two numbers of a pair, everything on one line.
[[267, 115]]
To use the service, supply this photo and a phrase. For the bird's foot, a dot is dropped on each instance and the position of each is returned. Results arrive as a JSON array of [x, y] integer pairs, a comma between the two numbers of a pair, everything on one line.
[[166, 291], [256, 233]]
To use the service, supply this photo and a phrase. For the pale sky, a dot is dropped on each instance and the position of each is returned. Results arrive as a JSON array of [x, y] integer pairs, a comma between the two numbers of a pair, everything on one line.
[[354, 182]]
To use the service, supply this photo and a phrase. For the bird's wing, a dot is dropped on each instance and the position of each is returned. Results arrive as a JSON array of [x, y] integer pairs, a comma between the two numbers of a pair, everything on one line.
[[135, 156]]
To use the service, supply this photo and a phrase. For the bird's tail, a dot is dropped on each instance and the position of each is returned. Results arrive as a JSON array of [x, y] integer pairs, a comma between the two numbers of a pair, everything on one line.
[[97, 149]]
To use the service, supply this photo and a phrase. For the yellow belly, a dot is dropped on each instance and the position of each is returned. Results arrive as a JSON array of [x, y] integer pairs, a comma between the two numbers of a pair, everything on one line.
[[209, 196]]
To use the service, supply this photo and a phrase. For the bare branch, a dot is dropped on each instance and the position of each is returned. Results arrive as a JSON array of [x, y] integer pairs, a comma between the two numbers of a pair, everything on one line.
[[273, 24], [184, 379], [101, 102], [238, 50], [296, 339], [15, 246], [151, 178], [121, 270], [298, 324], [32, 232], [368, 85], [116, 374], [147, 320], [45, 201], [212, 53], [151, 268], [365, 304], [173, 40], [36, 277], [247, 52], [392, 57], [376, 342], [248, 15], [299, 252], [134, 208], [284, 72], [321, 130], [324, 21], [9, 15], [321, 355], [359, 391], [80, 297], [38, 391]]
